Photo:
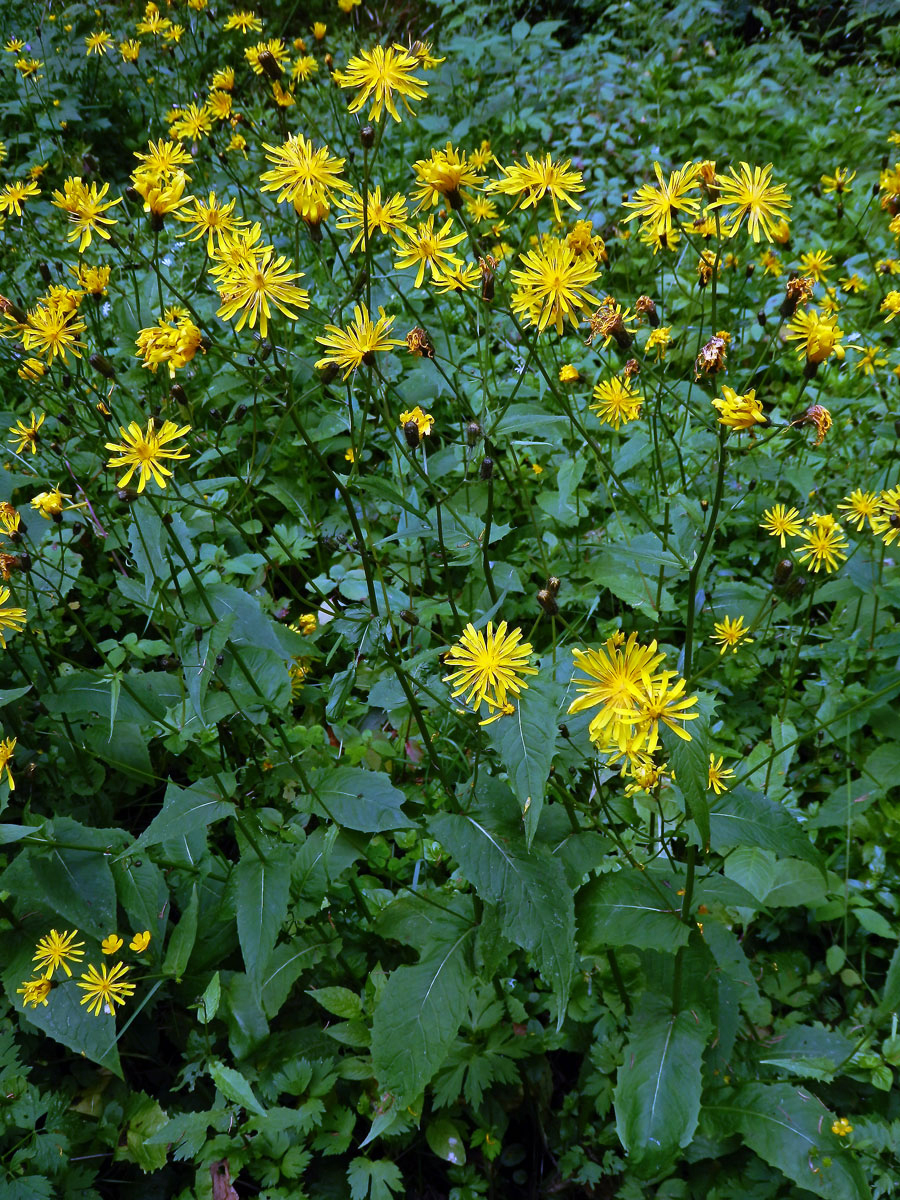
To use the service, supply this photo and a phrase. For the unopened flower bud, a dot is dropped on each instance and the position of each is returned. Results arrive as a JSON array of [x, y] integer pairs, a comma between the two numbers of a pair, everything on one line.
[[761, 319], [133, 194], [488, 266], [474, 432], [487, 468], [547, 601], [44, 271], [367, 136], [783, 571], [409, 617], [411, 433], [66, 381], [178, 394], [14, 311], [270, 65], [554, 583], [102, 364], [126, 495]]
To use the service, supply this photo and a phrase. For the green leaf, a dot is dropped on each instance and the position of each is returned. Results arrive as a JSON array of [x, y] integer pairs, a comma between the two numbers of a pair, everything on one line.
[[15, 833], [745, 818], [627, 908], [77, 883], [446, 1141], [8, 695], [657, 1097], [421, 1007], [373, 1180], [262, 892], [209, 1001], [790, 1129], [890, 1000], [234, 1087], [358, 799], [145, 1118], [182, 939], [690, 762], [525, 742], [186, 809], [528, 887], [338, 1000]]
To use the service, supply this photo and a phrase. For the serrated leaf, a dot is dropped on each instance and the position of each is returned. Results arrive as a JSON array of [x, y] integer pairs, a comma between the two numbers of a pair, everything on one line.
[[790, 1129], [627, 908], [657, 1097], [262, 892], [373, 1180], [234, 1087], [338, 1000], [745, 818], [525, 742], [528, 887]]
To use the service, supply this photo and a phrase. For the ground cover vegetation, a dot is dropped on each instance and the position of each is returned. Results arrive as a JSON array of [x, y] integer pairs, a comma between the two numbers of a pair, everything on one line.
[[448, 624]]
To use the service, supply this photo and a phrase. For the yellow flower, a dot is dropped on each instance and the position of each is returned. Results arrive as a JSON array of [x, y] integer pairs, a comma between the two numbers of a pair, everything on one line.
[[174, 343], [663, 702], [553, 286], [305, 66], [98, 43], [442, 177], [302, 174], [319, 29], [753, 196], [13, 194], [539, 178], [244, 21], [140, 942], [349, 348], [145, 452], [887, 523], [104, 989], [730, 634], [7, 748], [50, 504], [841, 1127], [27, 435], [739, 412], [93, 281], [12, 619], [32, 369], [193, 124], [9, 519], [130, 50], [389, 216], [306, 624], [816, 264], [379, 74], [163, 158], [838, 182], [57, 950], [161, 195], [350, 455], [890, 305], [426, 247], [582, 239], [212, 219], [818, 337], [34, 992], [111, 943], [824, 544], [616, 402], [249, 286], [261, 56], [770, 263], [568, 374], [424, 421], [860, 507], [86, 206], [853, 283], [28, 67], [659, 340], [223, 78], [347, 6], [616, 679], [656, 206], [489, 666], [779, 522], [457, 279], [717, 775]]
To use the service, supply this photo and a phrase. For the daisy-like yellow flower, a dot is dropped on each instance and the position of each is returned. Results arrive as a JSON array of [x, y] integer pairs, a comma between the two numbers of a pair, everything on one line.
[[245, 21], [443, 176], [860, 507], [302, 174], [890, 305], [153, 21], [349, 348], [319, 29], [616, 402], [7, 749], [658, 205], [194, 123], [212, 219], [172, 342], [582, 239], [616, 677], [130, 50], [14, 45], [424, 247], [817, 337], [93, 281], [751, 194], [457, 279], [886, 524], [32, 369], [824, 544], [539, 178], [267, 58], [104, 989], [389, 216], [34, 992], [219, 105], [739, 412], [163, 158], [303, 68], [146, 452], [28, 67], [552, 285], [50, 506], [111, 943], [568, 374], [662, 703], [86, 207], [98, 43], [659, 341], [9, 519], [140, 942], [52, 329], [251, 284], [489, 666], [223, 78], [12, 195], [770, 263], [839, 182], [380, 74], [781, 522], [816, 264], [730, 634], [27, 435], [717, 775], [424, 421], [481, 209], [57, 950], [853, 284]]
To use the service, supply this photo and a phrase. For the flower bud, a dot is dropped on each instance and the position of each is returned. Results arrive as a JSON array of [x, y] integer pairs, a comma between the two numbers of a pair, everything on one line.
[[487, 469], [474, 432], [547, 601], [14, 311], [44, 272], [126, 495], [554, 583], [367, 136], [750, 268], [102, 364], [632, 368], [270, 66], [409, 617], [178, 394], [784, 569], [761, 319], [411, 433]]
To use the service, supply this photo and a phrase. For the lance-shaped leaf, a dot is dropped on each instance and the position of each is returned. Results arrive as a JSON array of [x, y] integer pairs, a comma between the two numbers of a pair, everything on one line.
[[262, 890], [630, 908]]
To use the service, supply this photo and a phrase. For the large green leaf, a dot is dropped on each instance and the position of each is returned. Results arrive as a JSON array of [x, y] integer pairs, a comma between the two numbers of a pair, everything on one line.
[[657, 1094], [690, 762], [790, 1129], [528, 887], [526, 742], [73, 877], [234, 1087], [359, 799], [421, 1007], [187, 809], [628, 908], [182, 939], [262, 888], [746, 818]]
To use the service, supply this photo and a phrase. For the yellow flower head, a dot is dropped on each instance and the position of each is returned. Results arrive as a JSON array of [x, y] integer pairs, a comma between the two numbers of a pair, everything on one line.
[[717, 775], [739, 412], [489, 666], [616, 401], [781, 522], [140, 942], [27, 435], [379, 74], [424, 421], [58, 950], [751, 194], [539, 178], [146, 452], [111, 943], [553, 286], [104, 989], [349, 348], [730, 634]]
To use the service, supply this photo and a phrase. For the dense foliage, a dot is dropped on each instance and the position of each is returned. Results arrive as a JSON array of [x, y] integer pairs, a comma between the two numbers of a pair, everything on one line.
[[449, 668]]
